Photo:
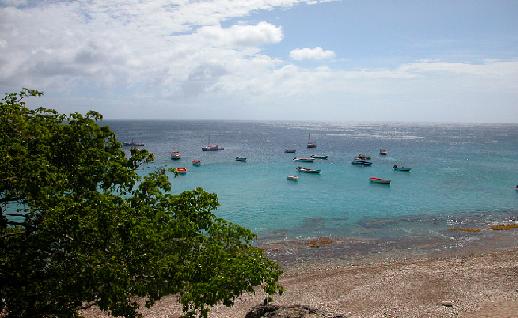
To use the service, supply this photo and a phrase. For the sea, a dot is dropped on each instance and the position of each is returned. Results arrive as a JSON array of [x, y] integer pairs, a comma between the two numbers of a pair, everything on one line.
[[463, 175]]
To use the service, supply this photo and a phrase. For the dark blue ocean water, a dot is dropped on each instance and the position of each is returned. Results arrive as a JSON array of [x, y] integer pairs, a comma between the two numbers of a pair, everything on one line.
[[462, 174]]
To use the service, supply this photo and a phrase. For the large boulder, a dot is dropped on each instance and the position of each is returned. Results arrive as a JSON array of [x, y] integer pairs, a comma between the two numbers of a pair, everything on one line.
[[293, 311]]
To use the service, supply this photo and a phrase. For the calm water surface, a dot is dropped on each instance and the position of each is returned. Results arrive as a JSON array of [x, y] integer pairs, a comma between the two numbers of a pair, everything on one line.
[[462, 174]]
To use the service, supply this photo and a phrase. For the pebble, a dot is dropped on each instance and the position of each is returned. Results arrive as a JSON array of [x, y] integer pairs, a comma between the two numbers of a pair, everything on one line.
[[447, 303]]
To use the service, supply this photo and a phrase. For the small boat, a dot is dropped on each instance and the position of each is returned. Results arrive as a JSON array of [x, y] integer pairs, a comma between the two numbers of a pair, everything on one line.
[[242, 159], [290, 151], [403, 169], [132, 144], [379, 180], [302, 159], [308, 170], [180, 170], [311, 144], [324, 157], [516, 188], [176, 155], [212, 147], [293, 178], [360, 162], [383, 152], [196, 162], [362, 156]]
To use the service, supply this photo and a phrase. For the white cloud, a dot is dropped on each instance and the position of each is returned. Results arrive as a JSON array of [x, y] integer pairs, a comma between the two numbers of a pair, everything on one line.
[[242, 35], [316, 53], [164, 58]]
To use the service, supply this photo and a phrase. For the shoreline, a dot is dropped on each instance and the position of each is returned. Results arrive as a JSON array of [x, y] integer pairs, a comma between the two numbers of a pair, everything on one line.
[[478, 279]]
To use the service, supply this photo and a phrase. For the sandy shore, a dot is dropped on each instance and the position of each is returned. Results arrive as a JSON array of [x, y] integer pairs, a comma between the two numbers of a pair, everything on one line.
[[458, 283]]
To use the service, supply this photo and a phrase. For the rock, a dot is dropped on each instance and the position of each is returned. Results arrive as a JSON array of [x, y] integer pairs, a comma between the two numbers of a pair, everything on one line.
[[447, 303], [293, 311]]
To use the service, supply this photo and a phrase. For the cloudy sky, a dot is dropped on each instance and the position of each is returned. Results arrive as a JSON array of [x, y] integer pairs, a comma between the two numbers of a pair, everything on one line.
[[369, 60]]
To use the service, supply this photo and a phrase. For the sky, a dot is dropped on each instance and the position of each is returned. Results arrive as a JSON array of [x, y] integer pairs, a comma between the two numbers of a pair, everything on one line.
[[393, 60]]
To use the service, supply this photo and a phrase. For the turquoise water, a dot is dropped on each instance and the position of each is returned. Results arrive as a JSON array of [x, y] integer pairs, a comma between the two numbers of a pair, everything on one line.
[[461, 174]]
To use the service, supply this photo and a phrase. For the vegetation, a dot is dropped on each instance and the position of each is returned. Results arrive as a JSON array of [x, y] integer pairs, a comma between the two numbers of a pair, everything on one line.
[[318, 242], [504, 227], [79, 227], [464, 229]]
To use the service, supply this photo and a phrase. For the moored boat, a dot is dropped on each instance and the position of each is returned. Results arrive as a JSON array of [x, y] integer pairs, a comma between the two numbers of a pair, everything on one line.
[[242, 159], [132, 144], [290, 151], [308, 170], [180, 170], [362, 156], [176, 155], [311, 144], [196, 162], [303, 159], [383, 152], [401, 168], [293, 178], [323, 157], [379, 180], [212, 147], [360, 162]]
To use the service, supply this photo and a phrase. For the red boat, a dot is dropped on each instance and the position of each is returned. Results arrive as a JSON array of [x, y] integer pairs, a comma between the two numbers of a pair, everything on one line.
[[379, 180], [180, 170]]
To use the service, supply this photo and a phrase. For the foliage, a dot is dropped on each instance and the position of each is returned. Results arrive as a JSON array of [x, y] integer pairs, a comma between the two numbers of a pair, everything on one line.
[[79, 227]]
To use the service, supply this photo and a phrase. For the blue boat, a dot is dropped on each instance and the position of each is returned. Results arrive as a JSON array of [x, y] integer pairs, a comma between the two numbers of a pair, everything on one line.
[[360, 162]]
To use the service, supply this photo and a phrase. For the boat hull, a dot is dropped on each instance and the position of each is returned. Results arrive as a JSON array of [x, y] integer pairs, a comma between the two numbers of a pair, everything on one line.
[[308, 170], [319, 157], [303, 159], [363, 163], [180, 170], [379, 181]]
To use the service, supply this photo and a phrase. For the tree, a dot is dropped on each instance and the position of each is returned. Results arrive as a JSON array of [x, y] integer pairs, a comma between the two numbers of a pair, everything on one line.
[[79, 227]]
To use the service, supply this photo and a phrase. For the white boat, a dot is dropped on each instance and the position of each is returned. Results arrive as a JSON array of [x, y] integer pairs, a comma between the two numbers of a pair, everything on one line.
[[176, 155], [383, 152], [362, 156], [308, 170], [293, 178], [303, 159], [401, 168]]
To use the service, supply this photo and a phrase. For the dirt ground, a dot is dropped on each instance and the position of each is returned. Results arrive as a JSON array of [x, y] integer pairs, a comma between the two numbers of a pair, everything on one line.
[[474, 285]]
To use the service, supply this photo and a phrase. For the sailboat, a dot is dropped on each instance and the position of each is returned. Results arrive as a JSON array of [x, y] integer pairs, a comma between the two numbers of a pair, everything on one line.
[[211, 147], [310, 143]]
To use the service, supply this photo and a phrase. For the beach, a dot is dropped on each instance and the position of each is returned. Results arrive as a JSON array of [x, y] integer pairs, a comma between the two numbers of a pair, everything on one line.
[[474, 280]]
